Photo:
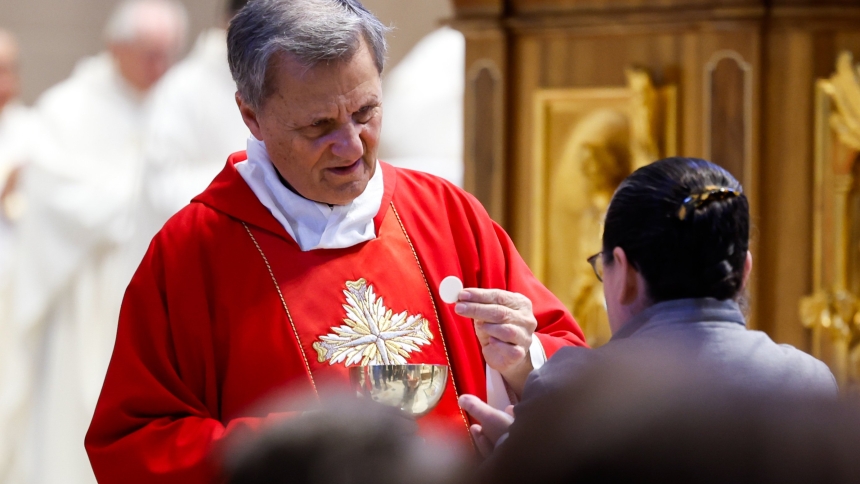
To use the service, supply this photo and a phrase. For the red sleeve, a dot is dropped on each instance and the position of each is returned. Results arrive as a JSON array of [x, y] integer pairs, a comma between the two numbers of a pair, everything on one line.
[[501, 266], [556, 326], [483, 256], [153, 423]]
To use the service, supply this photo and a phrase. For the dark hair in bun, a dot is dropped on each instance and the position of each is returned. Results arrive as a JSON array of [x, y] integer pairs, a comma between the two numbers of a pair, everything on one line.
[[684, 225]]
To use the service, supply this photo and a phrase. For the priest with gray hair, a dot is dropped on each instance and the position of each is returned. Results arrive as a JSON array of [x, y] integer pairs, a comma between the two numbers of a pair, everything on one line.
[[307, 256]]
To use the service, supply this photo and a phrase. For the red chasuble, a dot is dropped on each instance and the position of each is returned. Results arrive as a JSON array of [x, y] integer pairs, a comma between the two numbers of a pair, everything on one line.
[[225, 309]]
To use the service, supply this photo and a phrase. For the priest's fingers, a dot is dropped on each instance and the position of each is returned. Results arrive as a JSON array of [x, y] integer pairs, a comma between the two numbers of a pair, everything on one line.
[[494, 423], [495, 313], [515, 334], [501, 297], [505, 332], [497, 306], [504, 357]]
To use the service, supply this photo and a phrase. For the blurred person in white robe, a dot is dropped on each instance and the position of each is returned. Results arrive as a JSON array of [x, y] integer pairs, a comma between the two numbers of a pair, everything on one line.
[[17, 134], [192, 127], [17, 131], [70, 271], [424, 107]]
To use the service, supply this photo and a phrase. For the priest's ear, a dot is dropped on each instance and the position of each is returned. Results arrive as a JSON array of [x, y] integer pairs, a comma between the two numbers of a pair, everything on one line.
[[249, 115]]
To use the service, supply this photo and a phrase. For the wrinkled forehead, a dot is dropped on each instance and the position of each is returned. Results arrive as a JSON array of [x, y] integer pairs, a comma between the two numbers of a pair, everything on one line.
[[286, 66], [346, 82]]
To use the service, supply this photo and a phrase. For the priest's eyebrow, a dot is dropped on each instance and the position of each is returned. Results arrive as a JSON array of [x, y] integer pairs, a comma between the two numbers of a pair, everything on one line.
[[373, 102]]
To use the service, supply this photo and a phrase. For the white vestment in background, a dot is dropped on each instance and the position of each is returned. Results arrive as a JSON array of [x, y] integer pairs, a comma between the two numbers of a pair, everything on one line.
[[17, 130], [18, 136], [422, 124], [192, 127], [71, 270]]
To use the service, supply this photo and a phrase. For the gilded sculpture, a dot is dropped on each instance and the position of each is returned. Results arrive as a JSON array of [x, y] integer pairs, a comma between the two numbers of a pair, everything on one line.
[[832, 312], [597, 158], [611, 133]]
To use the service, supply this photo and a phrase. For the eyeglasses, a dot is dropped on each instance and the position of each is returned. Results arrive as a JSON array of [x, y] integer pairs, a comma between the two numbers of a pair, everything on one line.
[[596, 262]]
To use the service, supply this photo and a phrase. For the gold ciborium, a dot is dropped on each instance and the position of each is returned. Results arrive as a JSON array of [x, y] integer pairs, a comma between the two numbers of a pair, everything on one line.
[[415, 389]]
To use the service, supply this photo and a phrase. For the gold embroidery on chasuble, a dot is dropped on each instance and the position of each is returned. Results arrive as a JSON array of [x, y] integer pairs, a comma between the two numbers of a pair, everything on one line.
[[385, 312], [372, 334]]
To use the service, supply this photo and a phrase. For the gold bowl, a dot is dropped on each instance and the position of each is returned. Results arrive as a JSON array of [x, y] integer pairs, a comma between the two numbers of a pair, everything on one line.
[[415, 389]]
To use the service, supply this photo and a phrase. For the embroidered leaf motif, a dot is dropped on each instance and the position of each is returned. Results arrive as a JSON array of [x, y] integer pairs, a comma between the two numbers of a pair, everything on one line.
[[372, 334]]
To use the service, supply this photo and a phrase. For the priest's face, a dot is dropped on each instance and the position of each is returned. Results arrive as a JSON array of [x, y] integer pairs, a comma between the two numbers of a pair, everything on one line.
[[159, 34], [321, 124]]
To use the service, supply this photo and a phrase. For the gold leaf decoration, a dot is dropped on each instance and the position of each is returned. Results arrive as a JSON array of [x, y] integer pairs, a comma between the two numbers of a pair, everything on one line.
[[372, 334]]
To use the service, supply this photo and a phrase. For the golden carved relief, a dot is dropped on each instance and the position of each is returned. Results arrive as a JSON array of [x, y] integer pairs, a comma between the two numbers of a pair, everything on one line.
[[832, 312], [587, 142], [844, 89]]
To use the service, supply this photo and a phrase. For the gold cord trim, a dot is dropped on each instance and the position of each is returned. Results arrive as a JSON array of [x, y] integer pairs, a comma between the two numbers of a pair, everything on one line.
[[284, 303], [438, 321]]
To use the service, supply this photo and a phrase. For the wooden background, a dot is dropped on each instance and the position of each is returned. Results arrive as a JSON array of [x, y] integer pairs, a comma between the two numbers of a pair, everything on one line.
[[745, 70]]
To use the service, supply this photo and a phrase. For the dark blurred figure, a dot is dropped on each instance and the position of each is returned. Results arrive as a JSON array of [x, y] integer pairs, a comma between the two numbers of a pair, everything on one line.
[[674, 266], [344, 441], [645, 417]]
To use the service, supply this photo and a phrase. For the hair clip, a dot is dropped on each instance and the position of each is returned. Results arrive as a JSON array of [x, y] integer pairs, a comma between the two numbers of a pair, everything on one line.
[[710, 194]]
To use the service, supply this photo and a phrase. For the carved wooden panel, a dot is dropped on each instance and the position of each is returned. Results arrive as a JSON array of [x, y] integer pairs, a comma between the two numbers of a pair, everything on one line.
[[615, 5], [812, 3], [728, 113], [485, 116], [468, 8], [484, 82]]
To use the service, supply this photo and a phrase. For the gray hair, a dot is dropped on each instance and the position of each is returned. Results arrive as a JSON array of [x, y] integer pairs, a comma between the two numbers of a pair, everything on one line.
[[313, 31]]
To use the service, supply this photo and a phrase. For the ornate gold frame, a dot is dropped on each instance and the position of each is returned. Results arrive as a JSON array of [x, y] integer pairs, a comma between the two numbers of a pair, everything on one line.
[[553, 103], [832, 311], [586, 141]]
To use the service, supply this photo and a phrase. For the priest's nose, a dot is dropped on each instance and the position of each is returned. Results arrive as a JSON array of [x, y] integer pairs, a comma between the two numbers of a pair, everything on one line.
[[347, 143]]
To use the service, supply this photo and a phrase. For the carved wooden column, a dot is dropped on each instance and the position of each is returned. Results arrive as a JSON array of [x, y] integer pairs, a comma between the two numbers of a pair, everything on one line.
[[481, 22]]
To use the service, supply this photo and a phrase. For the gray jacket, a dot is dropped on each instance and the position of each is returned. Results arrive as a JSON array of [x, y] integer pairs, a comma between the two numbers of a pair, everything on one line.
[[706, 332]]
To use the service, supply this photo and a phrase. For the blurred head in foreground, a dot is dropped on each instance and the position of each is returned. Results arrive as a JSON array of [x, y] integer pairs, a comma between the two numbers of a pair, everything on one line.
[[675, 229], [145, 38], [671, 421], [344, 441], [10, 84]]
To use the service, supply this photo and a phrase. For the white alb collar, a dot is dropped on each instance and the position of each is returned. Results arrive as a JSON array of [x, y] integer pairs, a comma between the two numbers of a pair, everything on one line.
[[312, 225]]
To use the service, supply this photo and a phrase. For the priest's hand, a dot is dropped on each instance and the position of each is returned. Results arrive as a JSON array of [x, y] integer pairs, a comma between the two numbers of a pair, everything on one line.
[[494, 423], [504, 323]]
